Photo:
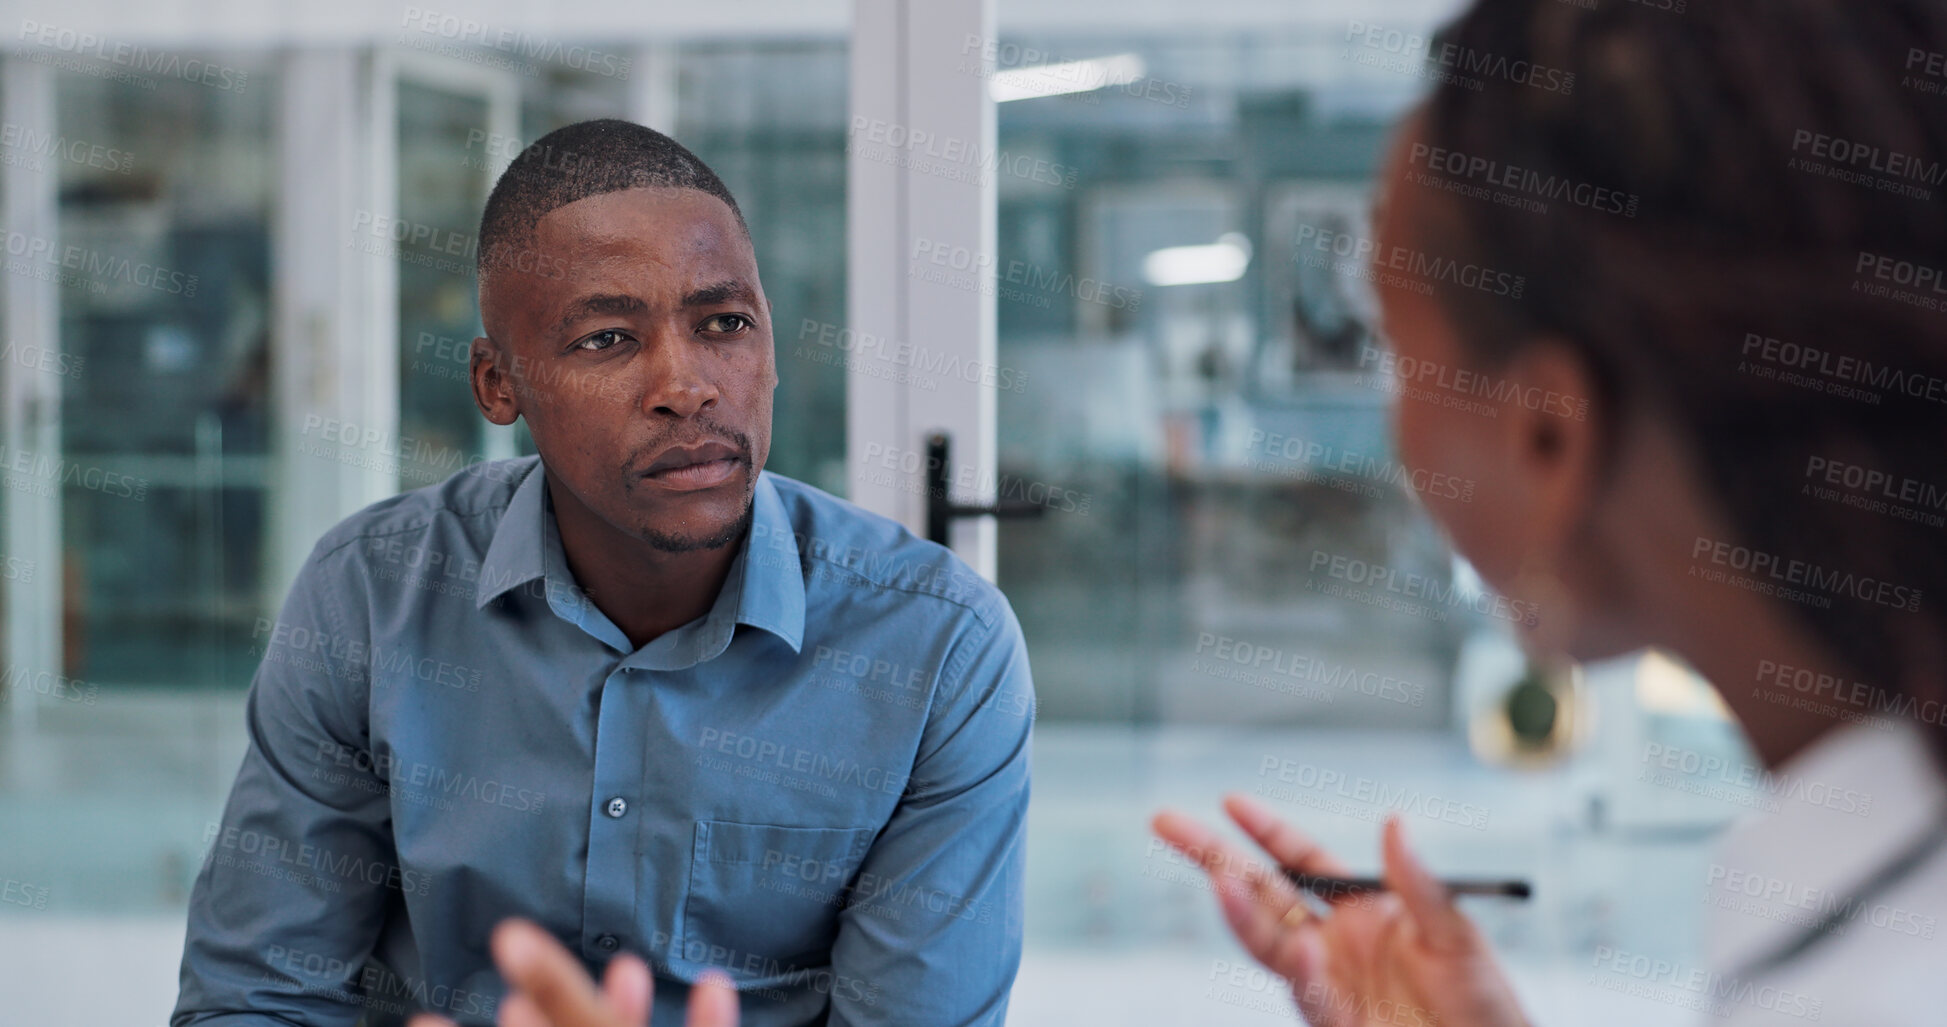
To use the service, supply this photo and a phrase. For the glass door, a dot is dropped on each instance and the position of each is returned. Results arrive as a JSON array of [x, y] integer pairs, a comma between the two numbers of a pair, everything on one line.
[[164, 330]]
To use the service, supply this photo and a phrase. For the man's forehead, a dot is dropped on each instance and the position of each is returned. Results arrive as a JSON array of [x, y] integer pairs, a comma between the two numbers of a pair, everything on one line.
[[662, 245], [689, 233], [688, 218]]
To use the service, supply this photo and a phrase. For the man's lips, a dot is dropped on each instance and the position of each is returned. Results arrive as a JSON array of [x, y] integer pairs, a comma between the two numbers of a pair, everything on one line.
[[702, 466], [687, 456]]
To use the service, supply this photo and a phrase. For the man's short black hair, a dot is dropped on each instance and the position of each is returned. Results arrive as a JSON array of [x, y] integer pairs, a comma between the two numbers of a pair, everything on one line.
[[574, 162]]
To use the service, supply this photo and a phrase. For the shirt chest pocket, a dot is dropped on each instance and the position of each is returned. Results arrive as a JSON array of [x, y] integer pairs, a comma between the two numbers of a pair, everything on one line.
[[764, 900]]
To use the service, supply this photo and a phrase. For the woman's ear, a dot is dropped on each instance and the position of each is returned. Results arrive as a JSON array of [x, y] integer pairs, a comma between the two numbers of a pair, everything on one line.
[[1554, 436]]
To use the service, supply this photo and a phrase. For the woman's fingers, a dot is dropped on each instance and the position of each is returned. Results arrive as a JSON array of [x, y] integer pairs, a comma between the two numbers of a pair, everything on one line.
[[628, 987], [1268, 916], [1186, 835], [1440, 926], [1265, 924], [1220, 860], [1291, 947], [713, 1002], [1207, 849], [1329, 961], [1288, 845]]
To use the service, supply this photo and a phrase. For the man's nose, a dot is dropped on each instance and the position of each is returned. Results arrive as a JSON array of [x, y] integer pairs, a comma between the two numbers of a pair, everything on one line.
[[680, 384]]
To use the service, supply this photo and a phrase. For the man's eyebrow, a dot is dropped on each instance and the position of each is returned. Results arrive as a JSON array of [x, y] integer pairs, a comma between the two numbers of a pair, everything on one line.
[[597, 304], [712, 295]]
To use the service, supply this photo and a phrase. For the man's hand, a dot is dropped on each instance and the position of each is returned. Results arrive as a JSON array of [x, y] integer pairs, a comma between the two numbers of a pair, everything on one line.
[[547, 988], [1374, 958]]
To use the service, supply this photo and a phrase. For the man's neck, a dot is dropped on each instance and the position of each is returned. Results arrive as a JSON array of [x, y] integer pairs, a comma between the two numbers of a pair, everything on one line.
[[644, 590]]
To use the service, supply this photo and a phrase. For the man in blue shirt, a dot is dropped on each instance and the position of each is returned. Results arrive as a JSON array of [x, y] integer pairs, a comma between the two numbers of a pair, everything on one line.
[[635, 689]]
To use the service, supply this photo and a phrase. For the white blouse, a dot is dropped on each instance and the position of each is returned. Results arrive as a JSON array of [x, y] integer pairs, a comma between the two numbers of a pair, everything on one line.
[[1833, 908]]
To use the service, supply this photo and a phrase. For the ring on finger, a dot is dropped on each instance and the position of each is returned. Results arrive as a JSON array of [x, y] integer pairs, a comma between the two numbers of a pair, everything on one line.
[[1297, 914]]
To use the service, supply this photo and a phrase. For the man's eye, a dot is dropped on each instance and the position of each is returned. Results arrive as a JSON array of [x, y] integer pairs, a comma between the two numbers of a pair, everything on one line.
[[601, 340], [727, 324]]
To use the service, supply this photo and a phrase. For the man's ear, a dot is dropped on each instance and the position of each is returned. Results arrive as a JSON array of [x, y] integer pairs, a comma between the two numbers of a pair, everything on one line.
[[494, 389]]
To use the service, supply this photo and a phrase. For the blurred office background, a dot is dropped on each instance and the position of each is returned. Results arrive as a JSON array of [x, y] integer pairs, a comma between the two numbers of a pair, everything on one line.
[[1203, 402]]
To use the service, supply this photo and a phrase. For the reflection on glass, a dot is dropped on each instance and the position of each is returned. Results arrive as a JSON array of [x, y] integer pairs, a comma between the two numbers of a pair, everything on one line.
[[1200, 387]]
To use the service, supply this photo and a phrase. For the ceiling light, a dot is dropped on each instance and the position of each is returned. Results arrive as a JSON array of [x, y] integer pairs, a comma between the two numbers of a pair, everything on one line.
[[1222, 261], [1068, 77]]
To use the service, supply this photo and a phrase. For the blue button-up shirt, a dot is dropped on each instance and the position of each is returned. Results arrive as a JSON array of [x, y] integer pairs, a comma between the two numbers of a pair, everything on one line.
[[819, 787]]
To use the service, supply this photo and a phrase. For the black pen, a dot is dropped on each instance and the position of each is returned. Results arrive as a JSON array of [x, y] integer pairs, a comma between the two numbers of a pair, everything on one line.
[[1335, 887]]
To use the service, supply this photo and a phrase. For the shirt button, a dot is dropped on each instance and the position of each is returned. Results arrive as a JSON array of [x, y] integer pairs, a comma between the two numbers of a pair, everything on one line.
[[617, 806], [606, 943]]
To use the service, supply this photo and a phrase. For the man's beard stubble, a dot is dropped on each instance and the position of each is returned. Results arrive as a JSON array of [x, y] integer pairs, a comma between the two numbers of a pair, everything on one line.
[[668, 542], [732, 532]]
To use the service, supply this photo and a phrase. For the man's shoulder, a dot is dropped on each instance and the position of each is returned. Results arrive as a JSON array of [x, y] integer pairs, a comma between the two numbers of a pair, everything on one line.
[[846, 544], [469, 502]]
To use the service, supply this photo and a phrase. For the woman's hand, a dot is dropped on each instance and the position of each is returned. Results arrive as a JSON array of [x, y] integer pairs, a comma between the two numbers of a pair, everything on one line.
[[548, 988], [1400, 958]]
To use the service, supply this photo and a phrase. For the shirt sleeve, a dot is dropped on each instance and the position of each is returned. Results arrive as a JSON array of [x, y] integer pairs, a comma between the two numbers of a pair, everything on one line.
[[931, 932], [295, 883]]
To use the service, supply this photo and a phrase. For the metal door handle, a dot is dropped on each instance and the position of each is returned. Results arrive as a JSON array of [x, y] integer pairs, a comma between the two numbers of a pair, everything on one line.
[[942, 511]]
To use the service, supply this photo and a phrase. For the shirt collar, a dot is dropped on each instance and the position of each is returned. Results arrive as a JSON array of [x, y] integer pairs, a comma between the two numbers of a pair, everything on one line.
[[773, 579], [514, 555], [1845, 805], [767, 578]]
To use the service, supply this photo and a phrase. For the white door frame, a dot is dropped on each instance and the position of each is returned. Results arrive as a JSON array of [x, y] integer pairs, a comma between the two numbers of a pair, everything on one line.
[[337, 307], [920, 207]]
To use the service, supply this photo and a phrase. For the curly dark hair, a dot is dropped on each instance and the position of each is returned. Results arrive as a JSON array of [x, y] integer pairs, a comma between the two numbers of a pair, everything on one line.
[[1769, 269]]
